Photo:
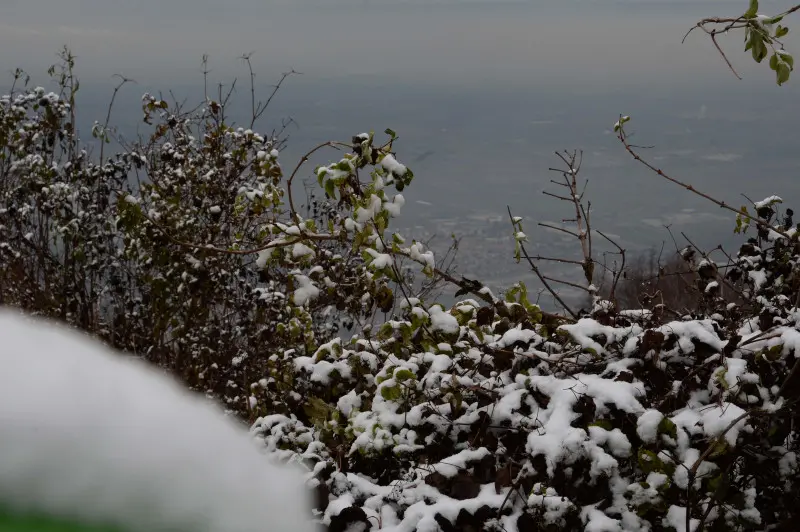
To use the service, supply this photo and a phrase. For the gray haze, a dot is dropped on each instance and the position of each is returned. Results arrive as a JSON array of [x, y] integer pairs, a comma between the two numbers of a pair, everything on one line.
[[481, 92], [578, 43]]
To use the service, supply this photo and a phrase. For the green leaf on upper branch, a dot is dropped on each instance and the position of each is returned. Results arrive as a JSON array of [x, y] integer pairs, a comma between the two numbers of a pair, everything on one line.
[[752, 11]]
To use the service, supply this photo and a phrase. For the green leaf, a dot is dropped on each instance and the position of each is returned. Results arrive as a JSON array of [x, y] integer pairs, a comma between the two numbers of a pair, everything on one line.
[[317, 410], [774, 353], [780, 31], [752, 10], [385, 332], [719, 448], [403, 374], [603, 424], [391, 393], [667, 426], [330, 189], [783, 72], [719, 486], [391, 133], [773, 62], [649, 461], [621, 123], [758, 49]]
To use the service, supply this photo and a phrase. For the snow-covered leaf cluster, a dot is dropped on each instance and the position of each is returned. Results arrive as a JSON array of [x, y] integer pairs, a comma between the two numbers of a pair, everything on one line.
[[486, 416]]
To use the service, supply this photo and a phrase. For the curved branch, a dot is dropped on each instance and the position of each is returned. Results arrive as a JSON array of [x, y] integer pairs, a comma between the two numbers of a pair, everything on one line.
[[623, 137]]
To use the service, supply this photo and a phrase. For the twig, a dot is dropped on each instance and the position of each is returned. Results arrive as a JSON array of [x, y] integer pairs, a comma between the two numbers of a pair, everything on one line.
[[729, 24], [568, 283], [540, 276], [616, 277], [123, 81], [623, 137]]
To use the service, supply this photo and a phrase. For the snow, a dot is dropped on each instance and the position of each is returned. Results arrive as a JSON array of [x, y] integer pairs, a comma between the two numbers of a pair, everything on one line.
[[759, 278], [647, 425], [305, 292], [787, 465], [443, 321], [766, 202], [380, 261], [418, 253], [300, 250], [391, 165], [101, 437], [558, 440], [597, 521], [716, 420], [615, 439], [262, 258], [367, 213], [585, 330], [394, 207], [636, 313], [676, 518], [349, 403], [452, 465]]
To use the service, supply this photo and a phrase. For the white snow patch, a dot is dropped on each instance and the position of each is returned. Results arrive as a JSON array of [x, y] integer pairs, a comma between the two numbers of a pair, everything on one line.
[[443, 321], [116, 441]]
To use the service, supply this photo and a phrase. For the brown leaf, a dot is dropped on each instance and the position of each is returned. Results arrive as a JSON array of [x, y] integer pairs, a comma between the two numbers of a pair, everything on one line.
[[652, 340], [503, 479], [485, 316]]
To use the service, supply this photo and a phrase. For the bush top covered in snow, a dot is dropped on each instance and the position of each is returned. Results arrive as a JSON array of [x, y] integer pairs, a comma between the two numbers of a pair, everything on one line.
[[496, 417]]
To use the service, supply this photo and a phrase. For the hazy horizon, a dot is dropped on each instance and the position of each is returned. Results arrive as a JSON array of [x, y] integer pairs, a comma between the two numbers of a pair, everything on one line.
[[482, 92]]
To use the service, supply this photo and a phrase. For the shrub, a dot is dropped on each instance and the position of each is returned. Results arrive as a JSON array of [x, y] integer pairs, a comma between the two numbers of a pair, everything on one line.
[[490, 414], [148, 248]]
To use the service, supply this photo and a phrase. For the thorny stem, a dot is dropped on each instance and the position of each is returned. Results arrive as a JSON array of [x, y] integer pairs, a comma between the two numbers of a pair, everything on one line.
[[622, 136]]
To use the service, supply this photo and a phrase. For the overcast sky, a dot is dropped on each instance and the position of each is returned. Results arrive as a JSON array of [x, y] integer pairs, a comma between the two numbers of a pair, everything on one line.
[[597, 42]]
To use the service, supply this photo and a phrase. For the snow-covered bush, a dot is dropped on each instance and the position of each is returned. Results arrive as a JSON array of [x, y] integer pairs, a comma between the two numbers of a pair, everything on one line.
[[190, 247], [490, 414]]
